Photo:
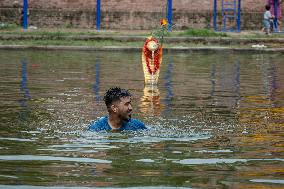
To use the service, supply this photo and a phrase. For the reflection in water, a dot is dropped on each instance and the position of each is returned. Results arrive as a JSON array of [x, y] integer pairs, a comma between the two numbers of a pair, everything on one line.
[[150, 101], [262, 111], [24, 89], [237, 82], [229, 82], [269, 79], [213, 81], [96, 86], [168, 84]]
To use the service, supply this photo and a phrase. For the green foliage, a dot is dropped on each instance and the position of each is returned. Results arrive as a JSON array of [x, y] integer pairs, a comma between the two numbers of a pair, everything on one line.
[[160, 33], [6, 26], [52, 34], [202, 33], [66, 42]]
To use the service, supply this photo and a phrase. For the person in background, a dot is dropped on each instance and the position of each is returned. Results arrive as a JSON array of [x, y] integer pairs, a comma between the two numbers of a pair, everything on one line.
[[118, 103], [267, 19], [278, 11], [20, 12]]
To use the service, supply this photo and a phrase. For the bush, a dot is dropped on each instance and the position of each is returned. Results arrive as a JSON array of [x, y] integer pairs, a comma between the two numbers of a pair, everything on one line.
[[202, 33], [5, 26]]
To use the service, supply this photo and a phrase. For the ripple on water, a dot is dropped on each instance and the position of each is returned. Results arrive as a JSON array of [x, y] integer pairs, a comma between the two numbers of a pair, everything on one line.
[[214, 151], [216, 160], [18, 139], [146, 160], [50, 158], [152, 135], [9, 176], [70, 187], [268, 181]]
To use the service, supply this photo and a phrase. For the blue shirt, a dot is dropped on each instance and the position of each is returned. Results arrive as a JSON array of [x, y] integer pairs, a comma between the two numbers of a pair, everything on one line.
[[102, 125]]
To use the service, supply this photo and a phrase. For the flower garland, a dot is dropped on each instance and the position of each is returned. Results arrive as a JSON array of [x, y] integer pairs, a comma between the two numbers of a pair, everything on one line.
[[148, 56]]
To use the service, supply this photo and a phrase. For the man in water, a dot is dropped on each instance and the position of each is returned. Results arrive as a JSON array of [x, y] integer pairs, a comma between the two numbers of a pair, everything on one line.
[[118, 103]]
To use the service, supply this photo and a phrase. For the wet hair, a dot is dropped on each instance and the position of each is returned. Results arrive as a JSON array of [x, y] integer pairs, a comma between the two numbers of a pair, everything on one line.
[[267, 7], [114, 94]]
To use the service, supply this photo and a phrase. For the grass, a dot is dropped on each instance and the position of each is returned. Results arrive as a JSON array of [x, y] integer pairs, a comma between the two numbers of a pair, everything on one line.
[[16, 30], [71, 37], [51, 34], [92, 43], [202, 33], [7, 26]]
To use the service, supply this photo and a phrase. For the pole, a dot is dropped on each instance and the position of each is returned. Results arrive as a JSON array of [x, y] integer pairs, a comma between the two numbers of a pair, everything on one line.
[[170, 15], [25, 14], [98, 15], [215, 15], [239, 16], [275, 14]]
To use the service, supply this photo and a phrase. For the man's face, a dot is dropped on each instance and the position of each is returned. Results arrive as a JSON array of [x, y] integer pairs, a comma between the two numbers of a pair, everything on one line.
[[124, 108]]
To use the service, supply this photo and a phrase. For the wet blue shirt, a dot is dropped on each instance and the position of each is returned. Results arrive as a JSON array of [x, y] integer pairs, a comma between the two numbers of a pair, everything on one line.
[[102, 125]]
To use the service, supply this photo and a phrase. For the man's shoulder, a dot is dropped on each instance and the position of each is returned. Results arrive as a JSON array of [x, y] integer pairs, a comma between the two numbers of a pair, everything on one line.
[[135, 124], [100, 124]]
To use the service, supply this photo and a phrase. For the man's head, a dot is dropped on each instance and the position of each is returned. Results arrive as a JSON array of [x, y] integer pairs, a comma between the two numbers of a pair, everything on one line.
[[267, 7], [118, 101]]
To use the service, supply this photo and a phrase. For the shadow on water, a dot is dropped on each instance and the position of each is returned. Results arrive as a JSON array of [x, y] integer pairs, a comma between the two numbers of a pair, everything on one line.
[[215, 121]]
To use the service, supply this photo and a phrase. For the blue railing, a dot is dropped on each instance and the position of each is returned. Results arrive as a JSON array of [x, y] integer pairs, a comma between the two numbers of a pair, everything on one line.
[[230, 15]]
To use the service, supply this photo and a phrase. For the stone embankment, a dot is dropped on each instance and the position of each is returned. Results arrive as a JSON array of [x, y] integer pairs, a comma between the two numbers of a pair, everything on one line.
[[236, 43]]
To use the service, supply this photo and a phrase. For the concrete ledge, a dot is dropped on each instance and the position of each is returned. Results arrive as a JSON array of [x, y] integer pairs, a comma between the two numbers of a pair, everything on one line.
[[135, 49], [196, 40]]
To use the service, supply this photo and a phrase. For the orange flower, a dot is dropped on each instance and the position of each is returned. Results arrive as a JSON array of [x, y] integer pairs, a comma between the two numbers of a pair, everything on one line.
[[164, 22]]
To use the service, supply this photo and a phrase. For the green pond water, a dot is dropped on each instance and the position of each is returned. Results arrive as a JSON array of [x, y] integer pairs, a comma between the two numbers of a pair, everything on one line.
[[215, 120]]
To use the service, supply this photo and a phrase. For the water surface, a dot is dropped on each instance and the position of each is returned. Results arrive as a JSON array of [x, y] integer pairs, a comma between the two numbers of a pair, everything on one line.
[[215, 121]]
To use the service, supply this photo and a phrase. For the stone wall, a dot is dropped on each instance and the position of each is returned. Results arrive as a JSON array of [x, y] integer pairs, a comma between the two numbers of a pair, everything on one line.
[[135, 5], [126, 14]]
